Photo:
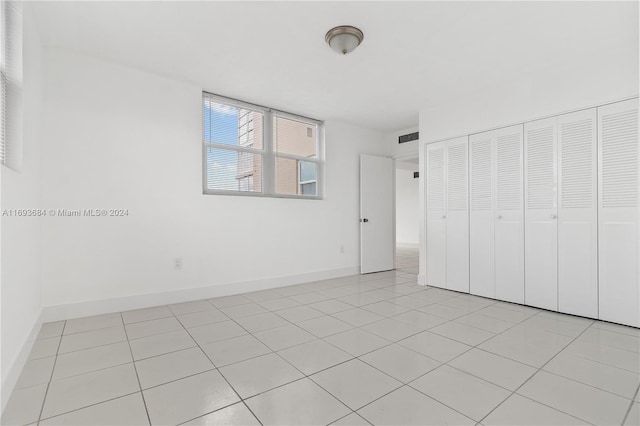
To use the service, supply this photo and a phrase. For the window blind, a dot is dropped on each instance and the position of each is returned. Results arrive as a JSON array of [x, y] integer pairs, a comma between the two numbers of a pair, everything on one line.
[[10, 83], [234, 148]]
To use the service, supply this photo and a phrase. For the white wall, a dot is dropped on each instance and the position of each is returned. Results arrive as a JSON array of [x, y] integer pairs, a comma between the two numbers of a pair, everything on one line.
[[20, 239], [121, 138], [406, 206]]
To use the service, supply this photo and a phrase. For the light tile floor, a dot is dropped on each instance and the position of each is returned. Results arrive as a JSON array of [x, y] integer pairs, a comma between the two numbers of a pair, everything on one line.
[[371, 349]]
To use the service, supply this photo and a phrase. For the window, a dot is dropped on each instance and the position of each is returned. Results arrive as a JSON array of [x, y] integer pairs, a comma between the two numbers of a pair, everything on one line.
[[253, 150]]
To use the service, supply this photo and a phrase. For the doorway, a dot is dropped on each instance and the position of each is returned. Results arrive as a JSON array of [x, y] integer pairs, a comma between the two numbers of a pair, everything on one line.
[[407, 214]]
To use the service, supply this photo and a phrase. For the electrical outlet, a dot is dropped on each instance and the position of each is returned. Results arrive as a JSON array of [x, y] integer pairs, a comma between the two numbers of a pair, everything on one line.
[[341, 248], [177, 263]]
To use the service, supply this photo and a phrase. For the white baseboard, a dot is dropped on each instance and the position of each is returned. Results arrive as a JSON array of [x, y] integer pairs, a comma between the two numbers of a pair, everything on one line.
[[16, 368], [119, 304], [422, 280]]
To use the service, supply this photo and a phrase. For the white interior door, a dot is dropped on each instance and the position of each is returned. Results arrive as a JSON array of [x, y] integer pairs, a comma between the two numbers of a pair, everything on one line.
[[457, 217], [509, 217], [618, 188], [481, 215], [436, 232], [541, 243], [376, 214], [577, 214]]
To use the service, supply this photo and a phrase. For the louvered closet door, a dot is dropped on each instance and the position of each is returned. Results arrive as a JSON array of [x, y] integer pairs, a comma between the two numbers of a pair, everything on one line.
[[457, 217], [541, 225], [618, 212], [509, 217], [436, 215], [481, 214], [577, 214]]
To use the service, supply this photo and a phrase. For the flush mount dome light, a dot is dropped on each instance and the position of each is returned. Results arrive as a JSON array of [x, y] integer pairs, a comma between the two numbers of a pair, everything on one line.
[[344, 39]]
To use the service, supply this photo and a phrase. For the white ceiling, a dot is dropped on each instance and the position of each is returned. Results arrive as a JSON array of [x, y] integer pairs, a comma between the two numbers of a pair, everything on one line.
[[415, 55]]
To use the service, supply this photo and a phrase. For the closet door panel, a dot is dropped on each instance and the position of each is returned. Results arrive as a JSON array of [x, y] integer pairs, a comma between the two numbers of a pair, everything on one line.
[[436, 232], [509, 260], [509, 219], [541, 226], [618, 213], [457, 217], [577, 214], [481, 215]]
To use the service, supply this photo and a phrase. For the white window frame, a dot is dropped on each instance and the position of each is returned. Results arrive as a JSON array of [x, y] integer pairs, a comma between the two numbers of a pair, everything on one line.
[[267, 152]]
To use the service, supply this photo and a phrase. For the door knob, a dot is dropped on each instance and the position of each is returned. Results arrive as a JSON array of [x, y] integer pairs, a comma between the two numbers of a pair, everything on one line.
[[444, 217], [554, 216], [499, 217], [364, 220]]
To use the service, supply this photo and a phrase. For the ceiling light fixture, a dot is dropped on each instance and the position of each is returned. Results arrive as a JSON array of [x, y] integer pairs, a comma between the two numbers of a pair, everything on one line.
[[344, 39]]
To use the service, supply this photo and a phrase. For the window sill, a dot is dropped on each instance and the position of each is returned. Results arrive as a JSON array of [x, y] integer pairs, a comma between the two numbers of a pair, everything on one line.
[[260, 195]]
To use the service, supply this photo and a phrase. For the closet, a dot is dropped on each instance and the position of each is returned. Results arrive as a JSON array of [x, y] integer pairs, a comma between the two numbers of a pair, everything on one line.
[[496, 214], [618, 213], [448, 215], [577, 214], [560, 214], [543, 214]]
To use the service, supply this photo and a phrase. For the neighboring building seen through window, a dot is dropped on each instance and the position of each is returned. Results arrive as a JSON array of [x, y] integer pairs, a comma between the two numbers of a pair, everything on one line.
[[243, 155]]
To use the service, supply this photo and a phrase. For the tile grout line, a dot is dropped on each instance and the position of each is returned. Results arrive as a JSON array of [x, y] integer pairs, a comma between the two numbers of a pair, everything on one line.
[[402, 384], [422, 393], [633, 401], [476, 347], [304, 374], [214, 411], [127, 394], [351, 413], [593, 361], [46, 392], [90, 405], [446, 363], [288, 363], [533, 375], [585, 384], [219, 372], [135, 368]]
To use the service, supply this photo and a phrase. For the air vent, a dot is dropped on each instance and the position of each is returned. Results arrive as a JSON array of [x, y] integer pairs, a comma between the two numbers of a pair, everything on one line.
[[408, 138]]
